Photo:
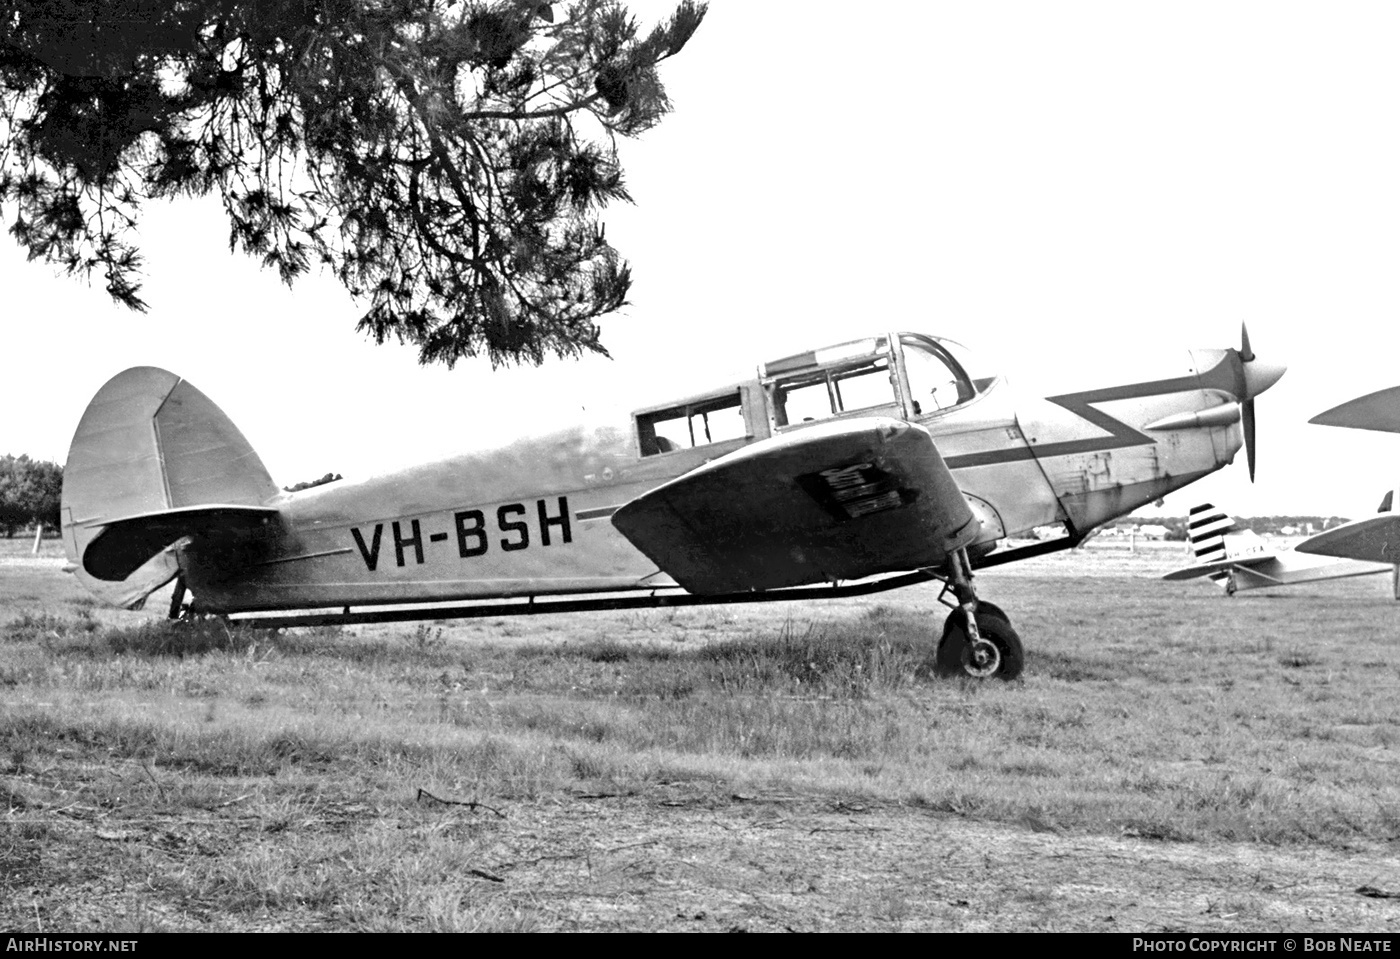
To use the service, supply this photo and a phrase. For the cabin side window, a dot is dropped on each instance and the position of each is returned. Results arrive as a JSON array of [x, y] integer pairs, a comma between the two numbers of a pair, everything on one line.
[[699, 423], [820, 395], [936, 380]]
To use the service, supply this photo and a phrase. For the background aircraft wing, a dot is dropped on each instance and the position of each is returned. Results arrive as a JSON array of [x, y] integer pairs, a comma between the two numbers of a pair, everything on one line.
[[1376, 539], [1374, 411], [836, 501], [1255, 562]]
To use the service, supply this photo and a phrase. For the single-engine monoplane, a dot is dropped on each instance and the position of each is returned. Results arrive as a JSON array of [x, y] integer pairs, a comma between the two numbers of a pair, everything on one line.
[[865, 466], [1236, 558]]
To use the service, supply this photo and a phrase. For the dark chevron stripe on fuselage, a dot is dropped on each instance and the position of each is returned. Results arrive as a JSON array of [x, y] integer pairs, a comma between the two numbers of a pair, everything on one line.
[[1120, 434]]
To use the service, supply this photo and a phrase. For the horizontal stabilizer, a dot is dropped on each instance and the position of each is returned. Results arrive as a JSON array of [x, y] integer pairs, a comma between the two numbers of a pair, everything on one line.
[[1375, 411], [1376, 540], [1221, 566], [124, 545], [837, 501]]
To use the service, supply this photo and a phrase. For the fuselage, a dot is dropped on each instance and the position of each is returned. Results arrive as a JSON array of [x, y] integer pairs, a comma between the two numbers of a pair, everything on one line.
[[533, 518]]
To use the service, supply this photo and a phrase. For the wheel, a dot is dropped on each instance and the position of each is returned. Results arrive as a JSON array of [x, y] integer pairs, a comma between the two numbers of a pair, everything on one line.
[[984, 607], [998, 654]]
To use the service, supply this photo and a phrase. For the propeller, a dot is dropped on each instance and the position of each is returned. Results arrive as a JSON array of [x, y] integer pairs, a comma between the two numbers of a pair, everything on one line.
[[1254, 378], [1247, 408]]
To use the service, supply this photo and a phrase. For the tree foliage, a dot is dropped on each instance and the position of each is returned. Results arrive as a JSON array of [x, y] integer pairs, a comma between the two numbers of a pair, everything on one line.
[[30, 492], [446, 160], [309, 484]]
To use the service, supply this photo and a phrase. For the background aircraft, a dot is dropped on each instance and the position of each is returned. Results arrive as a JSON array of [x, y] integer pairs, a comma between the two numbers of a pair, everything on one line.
[[868, 465], [1236, 558], [1376, 538]]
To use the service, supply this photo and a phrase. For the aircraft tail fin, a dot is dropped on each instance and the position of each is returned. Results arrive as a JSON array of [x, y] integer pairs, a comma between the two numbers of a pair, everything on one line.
[[1206, 526], [149, 449]]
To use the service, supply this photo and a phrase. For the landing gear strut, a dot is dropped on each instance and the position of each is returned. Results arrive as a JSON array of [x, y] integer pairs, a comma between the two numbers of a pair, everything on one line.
[[978, 639], [177, 599]]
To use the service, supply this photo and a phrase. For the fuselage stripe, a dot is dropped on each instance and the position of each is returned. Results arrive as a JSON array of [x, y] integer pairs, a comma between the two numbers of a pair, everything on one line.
[[1120, 434]]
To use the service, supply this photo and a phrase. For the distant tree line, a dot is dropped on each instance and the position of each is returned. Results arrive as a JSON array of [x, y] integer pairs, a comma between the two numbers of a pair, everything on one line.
[[30, 492], [1277, 524], [1263, 525]]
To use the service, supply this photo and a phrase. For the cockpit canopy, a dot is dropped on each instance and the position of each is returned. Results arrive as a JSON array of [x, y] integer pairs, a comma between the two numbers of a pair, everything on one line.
[[923, 375], [903, 375]]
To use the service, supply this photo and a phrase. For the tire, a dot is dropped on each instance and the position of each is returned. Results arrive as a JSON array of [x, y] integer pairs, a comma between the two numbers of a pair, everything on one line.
[[951, 661], [986, 608]]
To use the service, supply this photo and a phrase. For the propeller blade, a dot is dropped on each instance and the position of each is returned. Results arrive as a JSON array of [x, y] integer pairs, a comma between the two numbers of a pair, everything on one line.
[[1254, 377], [1247, 407]]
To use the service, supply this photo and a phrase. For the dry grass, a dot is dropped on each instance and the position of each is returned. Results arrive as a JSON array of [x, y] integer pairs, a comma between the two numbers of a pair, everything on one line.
[[203, 777]]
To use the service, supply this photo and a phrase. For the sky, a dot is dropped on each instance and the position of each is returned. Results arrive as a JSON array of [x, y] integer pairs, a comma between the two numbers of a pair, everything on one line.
[[1071, 189]]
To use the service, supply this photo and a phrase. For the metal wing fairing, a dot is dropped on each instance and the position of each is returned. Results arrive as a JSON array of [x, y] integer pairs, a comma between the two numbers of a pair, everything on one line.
[[836, 501]]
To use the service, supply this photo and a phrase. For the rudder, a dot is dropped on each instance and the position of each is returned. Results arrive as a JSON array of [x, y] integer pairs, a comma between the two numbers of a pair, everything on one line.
[[1206, 527]]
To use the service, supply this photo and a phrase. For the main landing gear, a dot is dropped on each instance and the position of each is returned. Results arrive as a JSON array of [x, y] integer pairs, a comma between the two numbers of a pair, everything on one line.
[[978, 640]]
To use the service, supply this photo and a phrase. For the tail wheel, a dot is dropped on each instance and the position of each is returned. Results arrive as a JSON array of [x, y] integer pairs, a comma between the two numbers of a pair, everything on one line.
[[997, 653]]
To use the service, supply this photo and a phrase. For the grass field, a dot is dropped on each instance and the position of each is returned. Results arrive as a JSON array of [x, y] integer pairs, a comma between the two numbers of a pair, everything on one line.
[[1172, 759]]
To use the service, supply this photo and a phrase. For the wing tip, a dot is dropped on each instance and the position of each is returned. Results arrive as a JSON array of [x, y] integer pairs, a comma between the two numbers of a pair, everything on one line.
[[1378, 411]]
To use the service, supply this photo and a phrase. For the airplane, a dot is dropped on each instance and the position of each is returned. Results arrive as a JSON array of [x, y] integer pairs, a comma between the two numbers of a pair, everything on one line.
[[865, 466], [1236, 558]]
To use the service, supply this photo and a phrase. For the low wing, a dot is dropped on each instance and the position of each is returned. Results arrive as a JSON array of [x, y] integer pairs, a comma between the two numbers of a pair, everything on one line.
[[836, 501], [1257, 563], [1376, 539], [124, 545]]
